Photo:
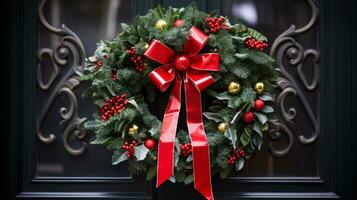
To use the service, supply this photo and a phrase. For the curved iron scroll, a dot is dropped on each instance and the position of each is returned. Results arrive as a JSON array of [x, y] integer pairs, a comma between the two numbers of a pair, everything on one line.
[[285, 46], [68, 53]]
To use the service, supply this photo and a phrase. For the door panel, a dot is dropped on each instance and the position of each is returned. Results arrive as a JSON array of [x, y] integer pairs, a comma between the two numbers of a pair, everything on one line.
[[55, 160]]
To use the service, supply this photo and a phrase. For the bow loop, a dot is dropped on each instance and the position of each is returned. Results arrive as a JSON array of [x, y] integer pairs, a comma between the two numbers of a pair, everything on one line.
[[206, 61], [200, 79], [162, 76], [159, 52], [195, 41]]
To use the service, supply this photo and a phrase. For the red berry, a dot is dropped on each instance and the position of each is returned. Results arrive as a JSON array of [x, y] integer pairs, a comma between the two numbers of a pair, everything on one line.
[[241, 153], [136, 59], [215, 24], [255, 44], [248, 117], [112, 106], [259, 105], [150, 143], [100, 63], [179, 23], [186, 149]]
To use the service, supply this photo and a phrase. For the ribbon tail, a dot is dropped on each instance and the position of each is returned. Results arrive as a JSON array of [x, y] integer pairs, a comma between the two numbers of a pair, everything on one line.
[[200, 148], [165, 159]]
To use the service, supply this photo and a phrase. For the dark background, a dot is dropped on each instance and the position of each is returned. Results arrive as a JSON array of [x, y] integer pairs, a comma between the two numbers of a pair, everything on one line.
[[338, 30]]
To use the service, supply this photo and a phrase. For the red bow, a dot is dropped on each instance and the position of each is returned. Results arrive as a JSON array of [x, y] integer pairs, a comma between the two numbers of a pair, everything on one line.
[[196, 79]]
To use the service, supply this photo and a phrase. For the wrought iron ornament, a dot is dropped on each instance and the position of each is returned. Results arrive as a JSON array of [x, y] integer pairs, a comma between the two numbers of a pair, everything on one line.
[[68, 54], [285, 46]]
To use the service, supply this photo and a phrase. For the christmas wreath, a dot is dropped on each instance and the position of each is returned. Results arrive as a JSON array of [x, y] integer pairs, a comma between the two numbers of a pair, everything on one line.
[[181, 51]]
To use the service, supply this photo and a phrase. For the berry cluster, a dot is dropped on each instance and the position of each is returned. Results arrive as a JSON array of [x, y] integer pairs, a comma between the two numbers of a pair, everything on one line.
[[113, 74], [100, 62], [235, 155], [252, 43], [113, 106], [186, 149], [130, 148], [216, 23], [136, 59]]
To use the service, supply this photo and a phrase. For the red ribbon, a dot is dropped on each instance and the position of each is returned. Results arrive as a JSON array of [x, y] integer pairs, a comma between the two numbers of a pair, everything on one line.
[[195, 78]]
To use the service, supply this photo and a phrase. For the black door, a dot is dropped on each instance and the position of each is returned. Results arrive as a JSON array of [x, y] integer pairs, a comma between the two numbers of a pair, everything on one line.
[[307, 154]]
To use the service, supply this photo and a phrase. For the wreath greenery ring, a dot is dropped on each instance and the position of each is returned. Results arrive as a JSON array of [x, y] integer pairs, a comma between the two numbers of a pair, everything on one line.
[[241, 94]]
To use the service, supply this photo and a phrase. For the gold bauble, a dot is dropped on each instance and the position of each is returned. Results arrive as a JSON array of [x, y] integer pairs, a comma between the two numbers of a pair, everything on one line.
[[222, 127], [134, 129], [259, 87], [146, 45], [161, 24], [233, 88]]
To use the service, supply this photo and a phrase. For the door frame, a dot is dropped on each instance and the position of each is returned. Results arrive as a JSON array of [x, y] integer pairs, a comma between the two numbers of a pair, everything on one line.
[[337, 161]]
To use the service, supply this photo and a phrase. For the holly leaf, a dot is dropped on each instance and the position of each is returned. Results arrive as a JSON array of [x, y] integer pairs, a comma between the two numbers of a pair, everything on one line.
[[140, 152], [257, 141], [236, 117], [238, 38], [256, 35], [213, 116], [241, 56], [188, 179], [244, 138], [118, 157], [267, 109], [176, 158], [231, 135], [225, 172], [240, 164], [180, 176], [124, 26], [231, 104], [172, 179], [262, 117], [224, 96], [133, 102], [237, 102], [266, 97], [257, 129], [153, 131], [189, 159]]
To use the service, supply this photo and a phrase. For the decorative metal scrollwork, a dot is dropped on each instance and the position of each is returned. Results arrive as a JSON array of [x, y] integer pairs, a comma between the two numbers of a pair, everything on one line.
[[286, 47], [68, 53]]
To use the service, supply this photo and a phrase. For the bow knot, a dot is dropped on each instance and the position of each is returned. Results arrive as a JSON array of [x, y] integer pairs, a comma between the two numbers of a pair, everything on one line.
[[182, 62], [194, 67]]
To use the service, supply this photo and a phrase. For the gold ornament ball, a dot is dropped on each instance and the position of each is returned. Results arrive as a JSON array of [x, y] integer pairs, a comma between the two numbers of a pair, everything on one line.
[[222, 127], [161, 24], [233, 88], [133, 129], [146, 46], [259, 87]]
